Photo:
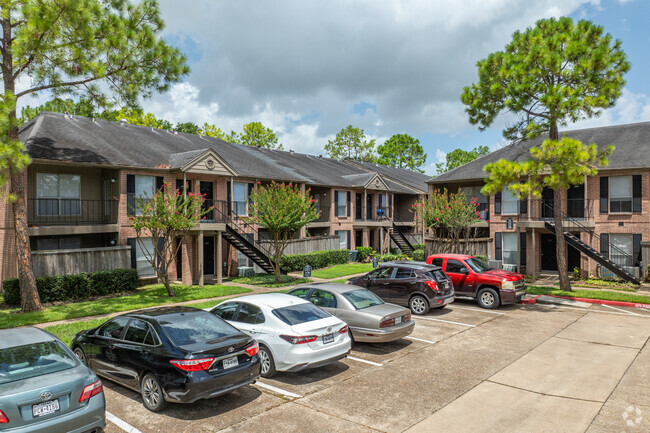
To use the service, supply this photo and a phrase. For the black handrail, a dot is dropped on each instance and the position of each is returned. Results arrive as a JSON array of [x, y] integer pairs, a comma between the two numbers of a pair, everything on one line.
[[226, 215]]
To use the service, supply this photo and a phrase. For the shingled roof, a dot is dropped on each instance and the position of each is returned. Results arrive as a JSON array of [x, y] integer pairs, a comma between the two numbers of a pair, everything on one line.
[[69, 138]]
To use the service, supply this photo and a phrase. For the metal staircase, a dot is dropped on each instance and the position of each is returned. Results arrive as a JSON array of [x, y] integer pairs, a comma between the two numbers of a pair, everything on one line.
[[400, 240], [589, 251]]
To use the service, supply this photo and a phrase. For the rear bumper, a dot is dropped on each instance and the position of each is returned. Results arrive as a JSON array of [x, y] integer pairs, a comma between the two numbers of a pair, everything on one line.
[[441, 301], [367, 335], [301, 356], [317, 364]]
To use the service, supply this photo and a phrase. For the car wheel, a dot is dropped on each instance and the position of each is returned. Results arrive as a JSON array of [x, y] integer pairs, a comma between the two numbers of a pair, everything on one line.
[[152, 393], [419, 305], [266, 362], [81, 355], [488, 298]]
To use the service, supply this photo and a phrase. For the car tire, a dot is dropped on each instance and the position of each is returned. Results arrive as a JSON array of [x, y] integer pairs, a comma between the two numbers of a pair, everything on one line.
[[81, 355], [267, 363], [419, 305], [488, 298], [152, 393]]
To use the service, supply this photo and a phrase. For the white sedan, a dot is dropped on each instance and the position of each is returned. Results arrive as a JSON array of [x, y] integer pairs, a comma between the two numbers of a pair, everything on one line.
[[293, 333]]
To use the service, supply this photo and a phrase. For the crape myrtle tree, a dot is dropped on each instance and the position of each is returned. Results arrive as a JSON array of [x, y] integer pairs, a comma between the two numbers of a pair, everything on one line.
[[449, 216], [93, 49], [550, 75], [282, 209], [164, 217]]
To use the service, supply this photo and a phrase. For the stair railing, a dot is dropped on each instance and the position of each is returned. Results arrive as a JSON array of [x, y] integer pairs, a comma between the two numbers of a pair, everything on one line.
[[227, 213]]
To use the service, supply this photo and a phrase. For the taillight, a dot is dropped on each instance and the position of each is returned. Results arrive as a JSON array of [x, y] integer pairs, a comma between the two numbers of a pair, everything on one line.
[[253, 349], [192, 364], [386, 323], [432, 284], [407, 317], [343, 330], [3, 418], [89, 391], [299, 340]]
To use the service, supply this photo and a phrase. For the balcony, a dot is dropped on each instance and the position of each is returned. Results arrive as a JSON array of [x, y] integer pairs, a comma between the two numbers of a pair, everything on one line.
[[75, 212], [540, 211]]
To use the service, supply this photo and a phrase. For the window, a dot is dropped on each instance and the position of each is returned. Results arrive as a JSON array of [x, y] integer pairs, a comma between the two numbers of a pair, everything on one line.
[[510, 202], [382, 273], [250, 314], [322, 299], [317, 202], [113, 328], [454, 266], [404, 273], [471, 192], [58, 194], [362, 299], [137, 331], [301, 293], [620, 194], [240, 198], [477, 265], [44, 244], [226, 311], [32, 360], [341, 203], [621, 249], [510, 249], [196, 327], [301, 313], [343, 238], [382, 211], [436, 262], [144, 188], [142, 264]]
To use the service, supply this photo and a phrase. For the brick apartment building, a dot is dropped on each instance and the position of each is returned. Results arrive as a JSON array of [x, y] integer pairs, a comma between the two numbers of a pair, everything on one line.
[[85, 175], [610, 213]]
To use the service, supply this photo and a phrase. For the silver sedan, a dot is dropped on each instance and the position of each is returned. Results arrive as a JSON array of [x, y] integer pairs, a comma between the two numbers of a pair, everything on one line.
[[370, 319]]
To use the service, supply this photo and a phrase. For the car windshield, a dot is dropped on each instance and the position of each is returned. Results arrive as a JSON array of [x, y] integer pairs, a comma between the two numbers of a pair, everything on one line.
[[362, 299], [196, 327], [23, 362], [477, 265], [301, 313]]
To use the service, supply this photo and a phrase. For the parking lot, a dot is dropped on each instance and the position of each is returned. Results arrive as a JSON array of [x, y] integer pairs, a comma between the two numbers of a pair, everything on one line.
[[522, 368]]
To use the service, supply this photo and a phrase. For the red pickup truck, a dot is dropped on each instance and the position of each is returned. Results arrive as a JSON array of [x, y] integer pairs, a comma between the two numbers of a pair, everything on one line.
[[473, 279]]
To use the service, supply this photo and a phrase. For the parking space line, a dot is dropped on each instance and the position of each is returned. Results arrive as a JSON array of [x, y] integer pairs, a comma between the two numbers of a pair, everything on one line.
[[446, 321], [420, 339], [376, 364], [454, 307], [277, 390], [618, 309], [585, 310], [128, 428]]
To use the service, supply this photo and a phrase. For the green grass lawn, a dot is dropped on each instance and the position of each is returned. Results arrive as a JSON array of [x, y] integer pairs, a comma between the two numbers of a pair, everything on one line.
[[604, 284], [148, 296], [268, 280], [342, 280], [342, 270], [590, 294]]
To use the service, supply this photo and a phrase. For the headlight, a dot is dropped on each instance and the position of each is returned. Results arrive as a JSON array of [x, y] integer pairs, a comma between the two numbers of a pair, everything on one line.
[[508, 285]]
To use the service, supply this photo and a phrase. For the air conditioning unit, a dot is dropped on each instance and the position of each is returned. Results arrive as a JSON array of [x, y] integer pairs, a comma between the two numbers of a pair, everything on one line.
[[510, 268], [606, 274], [494, 264]]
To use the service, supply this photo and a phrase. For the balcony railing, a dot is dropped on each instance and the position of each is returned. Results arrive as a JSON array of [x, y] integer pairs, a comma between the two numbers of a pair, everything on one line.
[[324, 214], [71, 211], [576, 208]]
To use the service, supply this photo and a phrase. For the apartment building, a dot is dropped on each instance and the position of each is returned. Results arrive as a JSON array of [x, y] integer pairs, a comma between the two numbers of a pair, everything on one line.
[[606, 219], [82, 185]]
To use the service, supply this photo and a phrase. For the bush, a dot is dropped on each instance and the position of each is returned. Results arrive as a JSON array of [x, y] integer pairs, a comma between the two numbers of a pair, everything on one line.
[[74, 287], [418, 246], [418, 255], [482, 258], [316, 259], [391, 257], [364, 253]]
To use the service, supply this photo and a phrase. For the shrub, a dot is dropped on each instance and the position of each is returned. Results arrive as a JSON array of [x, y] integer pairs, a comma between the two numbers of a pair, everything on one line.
[[316, 259], [418, 246], [482, 258], [391, 257], [364, 253], [74, 287], [418, 255]]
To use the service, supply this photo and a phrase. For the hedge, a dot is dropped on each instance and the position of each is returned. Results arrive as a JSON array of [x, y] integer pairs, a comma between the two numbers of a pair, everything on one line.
[[316, 259], [418, 255], [75, 287]]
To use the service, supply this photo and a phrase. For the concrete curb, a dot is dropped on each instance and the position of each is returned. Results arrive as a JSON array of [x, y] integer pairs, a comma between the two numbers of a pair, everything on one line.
[[591, 301]]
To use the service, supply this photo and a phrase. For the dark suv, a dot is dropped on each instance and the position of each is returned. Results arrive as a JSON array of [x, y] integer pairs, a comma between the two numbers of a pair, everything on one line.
[[417, 285]]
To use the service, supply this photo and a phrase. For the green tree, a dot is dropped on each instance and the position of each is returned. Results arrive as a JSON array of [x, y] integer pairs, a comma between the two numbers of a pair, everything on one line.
[[402, 151], [135, 116], [458, 157], [168, 215], [351, 143], [82, 107], [282, 209], [257, 135], [551, 74], [70, 47], [188, 128], [212, 131]]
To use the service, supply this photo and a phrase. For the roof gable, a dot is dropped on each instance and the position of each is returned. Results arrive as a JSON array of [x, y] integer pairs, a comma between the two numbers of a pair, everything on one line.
[[209, 162]]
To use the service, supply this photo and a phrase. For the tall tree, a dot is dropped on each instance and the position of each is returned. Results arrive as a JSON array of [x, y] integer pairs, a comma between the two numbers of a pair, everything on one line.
[[458, 157], [551, 74], [351, 143], [256, 134], [210, 130], [84, 48], [188, 128], [82, 107], [402, 151]]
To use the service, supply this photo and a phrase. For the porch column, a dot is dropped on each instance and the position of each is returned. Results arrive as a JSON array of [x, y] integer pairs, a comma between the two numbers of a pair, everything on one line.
[[381, 240], [518, 251], [534, 256], [219, 256], [200, 258], [364, 204]]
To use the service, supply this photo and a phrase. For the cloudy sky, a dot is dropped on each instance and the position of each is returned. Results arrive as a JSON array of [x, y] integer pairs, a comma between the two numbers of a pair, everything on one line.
[[307, 69]]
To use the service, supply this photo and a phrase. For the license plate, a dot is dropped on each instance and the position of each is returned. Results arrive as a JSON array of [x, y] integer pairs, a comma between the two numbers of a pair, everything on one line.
[[45, 408], [230, 363], [328, 338], [398, 320]]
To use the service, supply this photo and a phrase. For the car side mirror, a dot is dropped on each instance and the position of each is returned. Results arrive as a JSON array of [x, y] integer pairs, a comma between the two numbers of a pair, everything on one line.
[[464, 271]]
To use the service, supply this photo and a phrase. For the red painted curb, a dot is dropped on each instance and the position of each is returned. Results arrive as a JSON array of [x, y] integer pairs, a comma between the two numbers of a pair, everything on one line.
[[528, 301], [602, 302]]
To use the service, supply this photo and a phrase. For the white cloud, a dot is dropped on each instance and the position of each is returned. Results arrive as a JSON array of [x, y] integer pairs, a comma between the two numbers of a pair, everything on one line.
[[630, 108]]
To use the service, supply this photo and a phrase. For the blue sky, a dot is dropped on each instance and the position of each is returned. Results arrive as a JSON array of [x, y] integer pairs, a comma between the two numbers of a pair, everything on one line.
[[308, 68]]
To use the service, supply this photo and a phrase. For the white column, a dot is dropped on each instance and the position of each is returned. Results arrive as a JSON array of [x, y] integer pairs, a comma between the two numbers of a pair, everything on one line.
[[200, 258], [219, 256]]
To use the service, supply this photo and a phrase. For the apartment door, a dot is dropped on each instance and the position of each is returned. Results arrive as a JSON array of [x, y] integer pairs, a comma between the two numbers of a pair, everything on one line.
[[358, 207], [576, 202], [208, 255], [358, 238], [369, 207], [547, 203], [549, 256], [207, 190]]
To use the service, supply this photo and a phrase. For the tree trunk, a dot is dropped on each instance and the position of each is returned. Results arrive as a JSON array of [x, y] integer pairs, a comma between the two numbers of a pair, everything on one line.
[[561, 251], [168, 286]]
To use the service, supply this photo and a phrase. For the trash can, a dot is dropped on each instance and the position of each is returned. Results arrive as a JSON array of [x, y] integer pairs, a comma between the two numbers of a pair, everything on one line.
[[353, 255]]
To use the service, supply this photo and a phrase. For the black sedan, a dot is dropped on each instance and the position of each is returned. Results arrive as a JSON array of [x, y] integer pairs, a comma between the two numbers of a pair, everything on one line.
[[170, 354]]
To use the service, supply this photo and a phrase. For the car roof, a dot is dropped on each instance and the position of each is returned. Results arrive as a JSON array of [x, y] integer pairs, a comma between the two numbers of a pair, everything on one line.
[[452, 256], [411, 265], [155, 313], [271, 300], [332, 287], [23, 337]]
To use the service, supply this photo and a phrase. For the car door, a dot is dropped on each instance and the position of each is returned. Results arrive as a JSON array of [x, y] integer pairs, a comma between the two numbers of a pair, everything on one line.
[[380, 280], [401, 286], [461, 276], [300, 292], [251, 320], [102, 359], [324, 300], [227, 311], [133, 354]]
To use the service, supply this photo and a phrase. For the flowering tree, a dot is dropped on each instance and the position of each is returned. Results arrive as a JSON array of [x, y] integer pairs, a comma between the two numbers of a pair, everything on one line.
[[282, 209], [166, 216], [449, 216]]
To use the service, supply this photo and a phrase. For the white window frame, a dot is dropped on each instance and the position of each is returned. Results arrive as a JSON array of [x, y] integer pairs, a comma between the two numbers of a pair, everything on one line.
[[621, 199], [624, 242], [140, 178], [58, 197], [506, 191], [511, 253], [343, 194], [343, 238], [142, 265], [240, 207]]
